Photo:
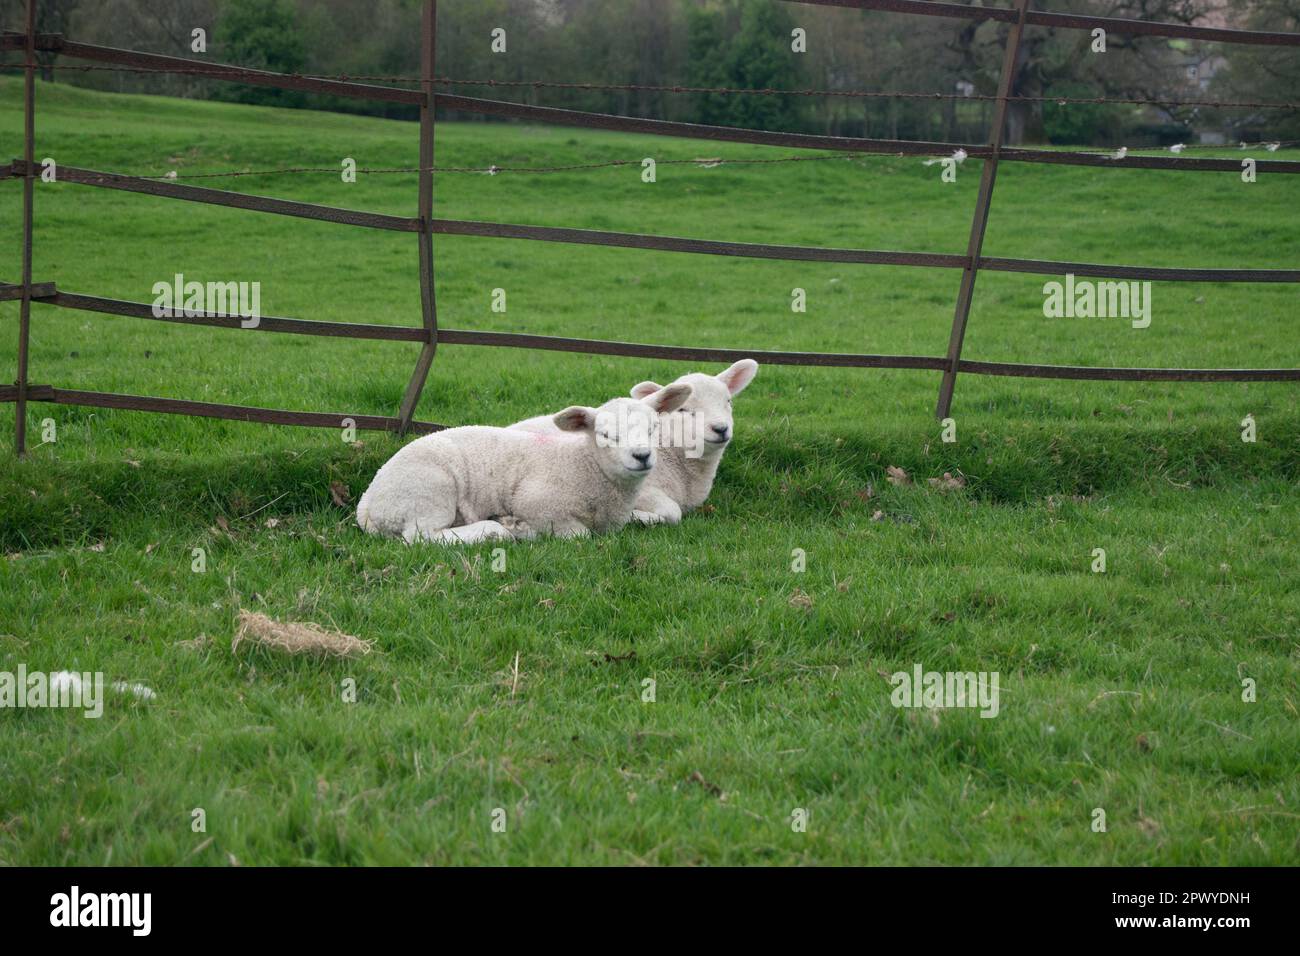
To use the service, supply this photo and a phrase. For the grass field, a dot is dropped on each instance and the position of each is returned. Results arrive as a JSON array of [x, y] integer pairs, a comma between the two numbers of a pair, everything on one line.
[[522, 689]]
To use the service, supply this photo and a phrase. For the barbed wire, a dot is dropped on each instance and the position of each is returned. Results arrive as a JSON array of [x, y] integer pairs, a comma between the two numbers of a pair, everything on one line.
[[718, 90], [859, 94], [1270, 145], [492, 170], [700, 163]]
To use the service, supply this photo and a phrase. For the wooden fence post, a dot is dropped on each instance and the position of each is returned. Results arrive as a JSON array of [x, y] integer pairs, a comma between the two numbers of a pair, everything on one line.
[[428, 39], [981, 219], [25, 304]]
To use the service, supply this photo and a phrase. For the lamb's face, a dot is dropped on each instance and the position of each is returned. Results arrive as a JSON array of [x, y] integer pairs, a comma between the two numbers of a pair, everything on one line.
[[624, 432], [709, 406], [627, 434]]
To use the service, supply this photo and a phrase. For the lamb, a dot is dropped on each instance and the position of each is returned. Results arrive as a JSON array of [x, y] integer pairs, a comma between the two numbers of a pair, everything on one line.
[[683, 479], [453, 485]]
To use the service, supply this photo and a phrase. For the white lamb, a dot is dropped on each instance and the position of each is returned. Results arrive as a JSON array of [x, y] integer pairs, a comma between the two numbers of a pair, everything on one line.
[[682, 481], [451, 486]]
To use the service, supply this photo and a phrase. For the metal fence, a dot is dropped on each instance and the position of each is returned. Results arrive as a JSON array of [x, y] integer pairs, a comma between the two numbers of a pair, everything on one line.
[[425, 225]]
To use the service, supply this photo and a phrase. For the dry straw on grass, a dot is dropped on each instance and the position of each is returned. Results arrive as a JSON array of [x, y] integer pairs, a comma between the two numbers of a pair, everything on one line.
[[296, 637]]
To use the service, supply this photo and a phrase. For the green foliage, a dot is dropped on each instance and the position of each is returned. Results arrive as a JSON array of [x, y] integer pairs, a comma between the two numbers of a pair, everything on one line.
[[1074, 123], [706, 68], [263, 35], [758, 56]]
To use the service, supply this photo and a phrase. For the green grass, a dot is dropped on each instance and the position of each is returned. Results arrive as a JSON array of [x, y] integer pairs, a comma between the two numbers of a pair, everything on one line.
[[1120, 690]]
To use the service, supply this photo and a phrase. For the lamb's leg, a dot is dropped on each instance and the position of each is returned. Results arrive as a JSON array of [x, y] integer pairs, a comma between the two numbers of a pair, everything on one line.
[[419, 529], [472, 533], [415, 514], [521, 529], [655, 507], [570, 529]]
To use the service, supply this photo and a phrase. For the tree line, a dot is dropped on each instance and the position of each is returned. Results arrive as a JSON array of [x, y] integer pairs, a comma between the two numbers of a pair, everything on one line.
[[743, 44]]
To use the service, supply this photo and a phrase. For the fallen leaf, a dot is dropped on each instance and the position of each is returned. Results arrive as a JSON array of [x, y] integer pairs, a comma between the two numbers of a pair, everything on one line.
[[800, 600], [698, 778], [897, 476], [948, 483], [616, 658], [339, 492]]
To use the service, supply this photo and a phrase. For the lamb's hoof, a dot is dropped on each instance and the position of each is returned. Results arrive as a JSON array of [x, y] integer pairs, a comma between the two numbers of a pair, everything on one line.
[[517, 527], [648, 517]]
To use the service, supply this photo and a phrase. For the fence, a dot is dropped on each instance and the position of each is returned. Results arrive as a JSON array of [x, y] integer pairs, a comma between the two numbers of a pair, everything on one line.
[[425, 225]]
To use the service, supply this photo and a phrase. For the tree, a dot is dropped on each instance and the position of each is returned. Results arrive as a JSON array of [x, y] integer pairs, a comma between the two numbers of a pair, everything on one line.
[[52, 16], [1264, 73], [745, 46], [262, 35], [706, 65]]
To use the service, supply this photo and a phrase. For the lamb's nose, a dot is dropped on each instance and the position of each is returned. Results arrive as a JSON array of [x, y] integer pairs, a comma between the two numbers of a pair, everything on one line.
[[720, 429], [641, 456]]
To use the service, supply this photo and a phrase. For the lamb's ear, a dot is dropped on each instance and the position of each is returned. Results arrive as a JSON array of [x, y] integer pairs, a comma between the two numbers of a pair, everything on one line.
[[644, 389], [575, 418], [739, 375], [669, 399]]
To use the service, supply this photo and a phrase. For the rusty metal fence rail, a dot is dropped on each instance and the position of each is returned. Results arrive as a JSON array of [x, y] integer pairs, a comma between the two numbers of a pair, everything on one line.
[[425, 225]]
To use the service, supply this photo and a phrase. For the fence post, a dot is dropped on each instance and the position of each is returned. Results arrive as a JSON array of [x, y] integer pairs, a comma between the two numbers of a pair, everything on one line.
[[428, 38], [25, 304], [981, 219]]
